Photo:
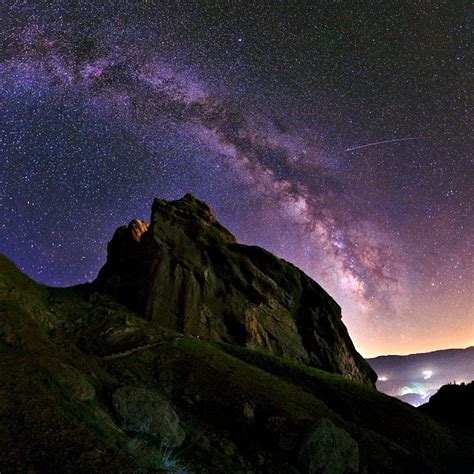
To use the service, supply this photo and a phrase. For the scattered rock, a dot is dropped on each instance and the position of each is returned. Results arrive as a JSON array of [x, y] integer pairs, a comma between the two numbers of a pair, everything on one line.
[[228, 448], [75, 383], [105, 420], [285, 432], [248, 412], [201, 441], [8, 336]]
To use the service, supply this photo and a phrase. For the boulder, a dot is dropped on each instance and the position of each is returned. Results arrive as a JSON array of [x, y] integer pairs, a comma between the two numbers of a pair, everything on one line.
[[328, 449], [144, 411]]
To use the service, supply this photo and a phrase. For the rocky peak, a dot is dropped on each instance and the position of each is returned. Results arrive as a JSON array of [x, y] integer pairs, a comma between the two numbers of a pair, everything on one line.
[[187, 272], [190, 215], [137, 228]]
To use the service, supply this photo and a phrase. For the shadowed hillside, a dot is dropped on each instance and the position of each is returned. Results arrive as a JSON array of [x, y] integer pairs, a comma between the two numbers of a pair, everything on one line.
[[90, 386]]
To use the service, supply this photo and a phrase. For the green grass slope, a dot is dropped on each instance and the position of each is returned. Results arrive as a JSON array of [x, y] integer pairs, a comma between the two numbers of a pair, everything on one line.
[[241, 410]]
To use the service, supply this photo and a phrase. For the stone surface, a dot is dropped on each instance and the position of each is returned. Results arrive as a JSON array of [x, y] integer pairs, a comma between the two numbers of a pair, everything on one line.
[[284, 431], [76, 384], [142, 410], [187, 272], [123, 274], [328, 449]]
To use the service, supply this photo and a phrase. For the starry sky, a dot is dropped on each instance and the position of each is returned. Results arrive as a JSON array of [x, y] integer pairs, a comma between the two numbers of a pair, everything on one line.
[[263, 110]]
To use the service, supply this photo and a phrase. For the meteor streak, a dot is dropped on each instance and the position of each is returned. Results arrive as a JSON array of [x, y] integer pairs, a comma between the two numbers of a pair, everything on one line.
[[380, 143]]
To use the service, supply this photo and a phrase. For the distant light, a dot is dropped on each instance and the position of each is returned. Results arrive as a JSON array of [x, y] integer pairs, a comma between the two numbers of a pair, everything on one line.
[[382, 379], [240, 40], [427, 374]]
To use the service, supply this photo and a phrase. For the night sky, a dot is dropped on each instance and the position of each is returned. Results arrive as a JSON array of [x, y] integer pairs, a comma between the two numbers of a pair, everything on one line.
[[263, 112]]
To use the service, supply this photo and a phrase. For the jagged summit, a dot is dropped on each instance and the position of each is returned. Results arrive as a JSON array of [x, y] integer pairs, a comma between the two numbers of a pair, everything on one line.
[[137, 228], [187, 272], [197, 213]]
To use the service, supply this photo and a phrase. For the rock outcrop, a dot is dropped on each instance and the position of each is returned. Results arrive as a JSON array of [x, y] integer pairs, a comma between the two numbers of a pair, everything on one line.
[[188, 273], [143, 411]]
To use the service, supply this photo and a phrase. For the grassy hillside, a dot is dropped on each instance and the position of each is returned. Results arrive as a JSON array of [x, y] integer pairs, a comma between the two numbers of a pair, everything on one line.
[[66, 355]]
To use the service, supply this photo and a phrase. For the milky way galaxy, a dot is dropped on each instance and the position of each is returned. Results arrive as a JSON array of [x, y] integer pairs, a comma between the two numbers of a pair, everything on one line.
[[265, 112]]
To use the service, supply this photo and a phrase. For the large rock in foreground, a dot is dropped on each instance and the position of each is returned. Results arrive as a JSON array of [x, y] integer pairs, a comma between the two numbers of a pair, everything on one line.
[[143, 411], [187, 272]]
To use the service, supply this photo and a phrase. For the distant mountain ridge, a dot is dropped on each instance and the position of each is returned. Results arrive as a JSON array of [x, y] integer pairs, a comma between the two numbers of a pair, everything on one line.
[[415, 377]]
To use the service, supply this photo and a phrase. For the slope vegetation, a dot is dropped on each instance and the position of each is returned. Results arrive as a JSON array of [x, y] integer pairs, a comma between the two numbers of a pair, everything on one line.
[[169, 401]]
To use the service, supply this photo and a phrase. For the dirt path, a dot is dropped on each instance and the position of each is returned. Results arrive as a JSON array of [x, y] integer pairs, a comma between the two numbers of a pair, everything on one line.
[[119, 355]]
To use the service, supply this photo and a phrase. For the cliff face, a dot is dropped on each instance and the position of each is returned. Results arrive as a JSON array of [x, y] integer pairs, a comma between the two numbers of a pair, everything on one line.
[[187, 272]]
